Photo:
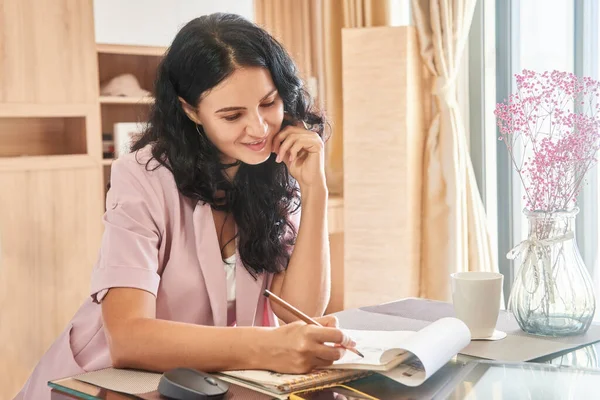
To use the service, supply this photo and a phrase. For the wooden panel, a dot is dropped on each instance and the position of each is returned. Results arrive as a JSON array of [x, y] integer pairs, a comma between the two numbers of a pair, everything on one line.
[[383, 150], [335, 214], [49, 236], [46, 163], [336, 246], [24, 110], [48, 52]]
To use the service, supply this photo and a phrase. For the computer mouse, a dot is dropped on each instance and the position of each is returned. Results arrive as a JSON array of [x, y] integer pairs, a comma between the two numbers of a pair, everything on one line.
[[190, 384]]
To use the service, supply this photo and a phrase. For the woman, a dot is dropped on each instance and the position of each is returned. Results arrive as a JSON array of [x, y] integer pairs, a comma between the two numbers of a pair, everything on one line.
[[204, 215]]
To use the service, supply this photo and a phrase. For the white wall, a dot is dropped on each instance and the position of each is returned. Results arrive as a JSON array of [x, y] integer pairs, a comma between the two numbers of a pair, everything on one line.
[[155, 22], [400, 12]]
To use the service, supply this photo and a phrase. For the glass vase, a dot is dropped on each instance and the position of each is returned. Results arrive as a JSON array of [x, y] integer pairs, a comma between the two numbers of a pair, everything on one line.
[[552, 294]]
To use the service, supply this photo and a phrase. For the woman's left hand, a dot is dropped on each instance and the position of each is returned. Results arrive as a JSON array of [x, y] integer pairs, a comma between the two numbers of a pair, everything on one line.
[[303, 153]]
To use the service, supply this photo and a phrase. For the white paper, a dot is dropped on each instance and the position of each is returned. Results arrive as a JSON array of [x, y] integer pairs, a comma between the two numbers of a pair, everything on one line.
[[378, 347], [432, 347], [420, 354]]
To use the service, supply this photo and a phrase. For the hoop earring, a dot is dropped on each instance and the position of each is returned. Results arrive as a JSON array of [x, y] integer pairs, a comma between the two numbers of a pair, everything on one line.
[[203, 138]]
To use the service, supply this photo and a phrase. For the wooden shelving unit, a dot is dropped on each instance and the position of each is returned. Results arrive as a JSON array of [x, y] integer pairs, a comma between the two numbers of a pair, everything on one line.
[[50, 153], [113, 60]]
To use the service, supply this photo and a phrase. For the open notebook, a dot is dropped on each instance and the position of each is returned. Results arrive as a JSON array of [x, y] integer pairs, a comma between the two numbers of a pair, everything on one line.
[[281, 385], [404, 356]]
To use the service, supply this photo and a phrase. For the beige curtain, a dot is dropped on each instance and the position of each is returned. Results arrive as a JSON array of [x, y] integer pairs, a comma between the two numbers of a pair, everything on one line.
[[311, 31], [455, 235], [293, 23]]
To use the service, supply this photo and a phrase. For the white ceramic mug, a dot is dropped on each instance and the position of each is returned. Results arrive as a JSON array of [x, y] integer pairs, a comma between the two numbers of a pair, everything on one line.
[[476, 297]]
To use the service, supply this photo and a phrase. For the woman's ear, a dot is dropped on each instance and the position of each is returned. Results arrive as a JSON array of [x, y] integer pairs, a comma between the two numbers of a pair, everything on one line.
[[190, 111]]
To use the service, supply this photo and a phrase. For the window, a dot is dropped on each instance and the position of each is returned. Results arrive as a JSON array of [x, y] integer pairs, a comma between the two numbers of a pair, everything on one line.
[[543, 35]]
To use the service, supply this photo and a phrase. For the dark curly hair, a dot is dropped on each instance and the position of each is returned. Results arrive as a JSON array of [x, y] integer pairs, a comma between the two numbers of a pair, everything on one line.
[[260, 197]]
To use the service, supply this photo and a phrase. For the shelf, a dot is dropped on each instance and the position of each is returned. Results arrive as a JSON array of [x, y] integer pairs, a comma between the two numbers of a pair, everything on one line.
[[125, 100], [47, 162], [130, 50], [107, 161]]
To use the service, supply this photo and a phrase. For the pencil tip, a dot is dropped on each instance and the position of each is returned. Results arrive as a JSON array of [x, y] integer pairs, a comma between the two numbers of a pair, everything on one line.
[[359, 353], [266, 293]]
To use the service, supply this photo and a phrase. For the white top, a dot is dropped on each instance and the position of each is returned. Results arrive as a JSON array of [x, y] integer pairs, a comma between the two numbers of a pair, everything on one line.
[[229, 264]]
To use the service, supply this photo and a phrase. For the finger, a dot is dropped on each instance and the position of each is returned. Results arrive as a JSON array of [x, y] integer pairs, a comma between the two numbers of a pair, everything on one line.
[[280, 137], [298, 146], [320, 363], [285, 133], [282, 153], [309, 142], [328, 320], [329, 353], [331, 335]]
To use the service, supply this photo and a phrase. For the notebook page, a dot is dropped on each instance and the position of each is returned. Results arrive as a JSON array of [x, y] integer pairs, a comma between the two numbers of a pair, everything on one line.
[[373, 345], [433, 346]]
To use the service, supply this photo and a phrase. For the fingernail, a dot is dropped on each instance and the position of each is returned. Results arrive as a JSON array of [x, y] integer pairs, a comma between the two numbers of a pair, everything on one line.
[[277, 159], [348, 342]]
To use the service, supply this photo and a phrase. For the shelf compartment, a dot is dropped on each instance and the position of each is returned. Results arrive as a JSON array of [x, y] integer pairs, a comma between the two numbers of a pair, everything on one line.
[[42, 136], [143, 67], [125, 100]]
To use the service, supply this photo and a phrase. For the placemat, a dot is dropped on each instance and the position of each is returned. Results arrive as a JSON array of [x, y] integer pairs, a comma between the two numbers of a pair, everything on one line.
[[414, 314], [144, 384]]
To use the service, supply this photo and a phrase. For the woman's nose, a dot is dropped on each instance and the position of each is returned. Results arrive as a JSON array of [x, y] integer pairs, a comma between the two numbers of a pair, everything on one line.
[[257, 126]]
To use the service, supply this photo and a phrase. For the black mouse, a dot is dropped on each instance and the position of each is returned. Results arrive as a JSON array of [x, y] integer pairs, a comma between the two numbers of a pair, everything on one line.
[[189, 384]]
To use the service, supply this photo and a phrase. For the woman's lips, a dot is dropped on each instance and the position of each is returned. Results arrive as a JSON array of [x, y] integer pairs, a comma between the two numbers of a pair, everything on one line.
[[257, 146]]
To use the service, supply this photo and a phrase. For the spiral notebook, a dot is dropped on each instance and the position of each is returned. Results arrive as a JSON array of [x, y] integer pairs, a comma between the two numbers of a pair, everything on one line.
[[281, 385], [404, 356]]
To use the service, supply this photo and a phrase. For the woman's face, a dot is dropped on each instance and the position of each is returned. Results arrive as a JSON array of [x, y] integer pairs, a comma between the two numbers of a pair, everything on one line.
[[241, 115]]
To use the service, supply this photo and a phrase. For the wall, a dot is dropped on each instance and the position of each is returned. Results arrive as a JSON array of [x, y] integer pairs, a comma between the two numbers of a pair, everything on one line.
[[155, 22]]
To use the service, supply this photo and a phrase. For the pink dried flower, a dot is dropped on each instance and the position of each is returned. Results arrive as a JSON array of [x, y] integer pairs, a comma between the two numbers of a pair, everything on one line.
[[552, 124]]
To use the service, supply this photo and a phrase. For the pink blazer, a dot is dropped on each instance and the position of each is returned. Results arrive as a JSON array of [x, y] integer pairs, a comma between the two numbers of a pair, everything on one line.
[[159, 241]]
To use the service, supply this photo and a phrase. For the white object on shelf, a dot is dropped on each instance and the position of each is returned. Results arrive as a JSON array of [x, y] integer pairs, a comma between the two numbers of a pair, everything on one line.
[[124, 133]]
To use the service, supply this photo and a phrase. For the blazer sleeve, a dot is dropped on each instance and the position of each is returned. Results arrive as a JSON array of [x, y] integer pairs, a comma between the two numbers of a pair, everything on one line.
[[129, 252]]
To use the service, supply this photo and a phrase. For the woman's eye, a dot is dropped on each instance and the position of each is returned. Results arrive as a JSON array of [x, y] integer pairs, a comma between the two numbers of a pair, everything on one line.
[[231, 117], [268, 104]]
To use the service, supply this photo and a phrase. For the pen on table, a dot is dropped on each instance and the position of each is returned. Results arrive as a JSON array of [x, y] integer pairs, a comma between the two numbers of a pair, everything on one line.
[[301, 315]]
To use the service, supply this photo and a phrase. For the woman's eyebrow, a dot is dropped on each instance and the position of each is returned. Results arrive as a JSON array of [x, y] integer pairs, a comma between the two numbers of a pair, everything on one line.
[[225, 109]]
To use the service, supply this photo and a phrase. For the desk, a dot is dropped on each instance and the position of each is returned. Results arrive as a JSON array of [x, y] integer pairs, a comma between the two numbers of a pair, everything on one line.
[[582, 357]]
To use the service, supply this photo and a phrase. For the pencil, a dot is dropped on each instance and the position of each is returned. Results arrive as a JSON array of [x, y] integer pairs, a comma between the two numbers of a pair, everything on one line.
[[278, 300]]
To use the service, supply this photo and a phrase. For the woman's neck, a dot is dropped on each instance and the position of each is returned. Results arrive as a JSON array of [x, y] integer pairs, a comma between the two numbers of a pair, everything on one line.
[[231, 172]]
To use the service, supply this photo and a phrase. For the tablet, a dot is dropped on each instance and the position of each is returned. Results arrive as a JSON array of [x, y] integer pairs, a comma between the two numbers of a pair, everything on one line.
[[494, 380]]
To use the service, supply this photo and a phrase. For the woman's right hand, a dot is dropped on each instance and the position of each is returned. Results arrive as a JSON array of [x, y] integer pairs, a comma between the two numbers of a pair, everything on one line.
[[298, 348]]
